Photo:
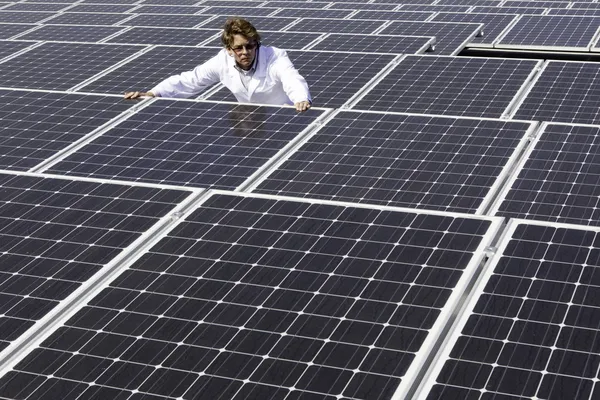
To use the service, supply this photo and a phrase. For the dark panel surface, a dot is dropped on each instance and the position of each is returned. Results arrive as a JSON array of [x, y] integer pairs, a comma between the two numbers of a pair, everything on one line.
[[260, 299], [71, 33], [493, 24], [474, 87], [189, 143], [426, 162], [164, 36], [78, 18], [10, 30], [8, 48], [167, 20], [560, 180], [372, 43], [60, 66], [337, 26], [56, 233], [23, 17]]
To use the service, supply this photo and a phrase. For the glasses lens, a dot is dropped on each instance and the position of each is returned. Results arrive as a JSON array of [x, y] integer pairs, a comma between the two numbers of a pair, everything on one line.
[[248, 47]]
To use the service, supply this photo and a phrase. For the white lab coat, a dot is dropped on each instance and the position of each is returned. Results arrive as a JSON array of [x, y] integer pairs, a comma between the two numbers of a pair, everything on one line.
[[275, 80]]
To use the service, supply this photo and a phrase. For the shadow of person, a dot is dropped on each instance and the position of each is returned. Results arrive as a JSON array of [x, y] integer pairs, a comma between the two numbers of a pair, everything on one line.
[[248, 120]]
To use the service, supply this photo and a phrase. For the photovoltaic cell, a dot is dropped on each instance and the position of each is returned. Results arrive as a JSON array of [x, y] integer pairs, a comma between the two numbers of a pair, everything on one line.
[[164, 9], [60, 66], [138, 75], [178, 2], [537, 3], [332, 77], [427, 162], [450, 37], [313, 13], [282, 40], [434, 8], [564, 92], [302, 4], [36, 125], [23, 17], [337, 26], [475, 87], [10, 30], [189, 143], [575, 11], [57, 233], [244, 10], [8, 48], [36, 7], [493, 24], [167, 20], [532, 328], [564, 32], [262, 23], [87, 18], [258, 298], [363, 6], [101, 8], [395, 15], [164, 36], [71, 33], [509, 10], [375, 43], [559, 182]]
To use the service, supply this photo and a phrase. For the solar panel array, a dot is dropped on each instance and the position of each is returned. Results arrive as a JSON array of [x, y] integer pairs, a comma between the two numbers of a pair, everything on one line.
[[428, 230]]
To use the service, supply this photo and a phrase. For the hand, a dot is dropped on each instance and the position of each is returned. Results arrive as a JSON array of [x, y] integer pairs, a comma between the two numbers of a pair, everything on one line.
[[302, 106], [136, 95]]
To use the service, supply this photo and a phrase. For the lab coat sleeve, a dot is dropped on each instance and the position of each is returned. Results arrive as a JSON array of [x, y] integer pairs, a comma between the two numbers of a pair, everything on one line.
[[190, 83], [294, 84]]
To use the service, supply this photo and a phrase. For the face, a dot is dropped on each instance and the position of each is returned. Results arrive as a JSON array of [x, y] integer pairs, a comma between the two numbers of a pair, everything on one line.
[[243, 50]]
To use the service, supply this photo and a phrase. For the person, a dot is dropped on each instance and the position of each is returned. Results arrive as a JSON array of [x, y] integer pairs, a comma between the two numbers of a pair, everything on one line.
[[253, 73]]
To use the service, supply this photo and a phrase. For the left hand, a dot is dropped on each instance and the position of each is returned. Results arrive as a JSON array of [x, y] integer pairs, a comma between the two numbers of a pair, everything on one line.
[[302, 106]]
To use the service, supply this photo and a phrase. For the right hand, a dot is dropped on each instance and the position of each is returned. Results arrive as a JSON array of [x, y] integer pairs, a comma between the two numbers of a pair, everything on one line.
[[137, 95]]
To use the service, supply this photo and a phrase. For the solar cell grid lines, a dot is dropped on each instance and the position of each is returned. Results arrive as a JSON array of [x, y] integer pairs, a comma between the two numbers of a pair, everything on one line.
[[164, 36], [450, 37], [558, 181], [313, 13], [375, 43], [333, 77], [102, 8], [57, 233], [87, 18], [167, 9], [262, 23], [189, 143], [531, 329], [563, 92], [60, 66], [493, 24], [337, 26], [36, 7], [475, 87], [303, 4], [23, 17], [71, 33], [509, 10], [537, 3], [167, 20], [562, 32], [36, 125], [245, 10], [433, 8], [393, 15], [170, 2], [572, 11], [140, 75], [425, 162], [9, 30], [8, 48], [363, 6], [286, 304]]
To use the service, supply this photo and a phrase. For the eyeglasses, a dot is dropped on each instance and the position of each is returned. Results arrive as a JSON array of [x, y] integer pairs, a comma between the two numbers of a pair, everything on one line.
[[247, 46]]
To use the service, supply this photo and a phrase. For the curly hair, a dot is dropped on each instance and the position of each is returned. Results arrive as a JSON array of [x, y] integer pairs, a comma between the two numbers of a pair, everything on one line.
[[238, 26]]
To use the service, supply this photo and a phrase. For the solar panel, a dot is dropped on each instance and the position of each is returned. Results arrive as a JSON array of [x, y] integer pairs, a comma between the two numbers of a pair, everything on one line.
[[167, 9], [491, 3], [72, 33], [333, 77], [573, 11], [10, 30], [509, 10], [283, 40], [284, 303], [536, 3], [375, 43], [60, 66], [87, 18], [178, 2], [563, 92], [363, 6], [189, 143], [532, 326], [167, 20], [313, 13], [37, 125], [165, 36], [261, 23], [396, 15], [558, 181], [337, 26], [57, 233], [237, 10], [476, 87], [493, 24], [434, 8], [100, 8], [138, 75], [303, 4], [23, 17], [36, 7], [426, 162], [551, 32], [8, 48], [451, 37]]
